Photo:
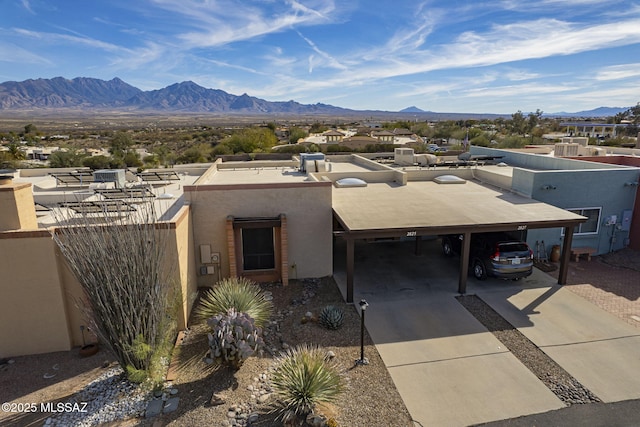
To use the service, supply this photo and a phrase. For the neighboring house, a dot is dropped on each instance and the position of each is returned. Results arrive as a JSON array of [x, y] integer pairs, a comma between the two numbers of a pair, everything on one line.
[[333, 137], [384, 136], [605, 191]]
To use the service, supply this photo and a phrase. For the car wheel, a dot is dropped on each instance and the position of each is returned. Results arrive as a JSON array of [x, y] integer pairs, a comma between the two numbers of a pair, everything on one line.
[[447, 249], [479, 271]]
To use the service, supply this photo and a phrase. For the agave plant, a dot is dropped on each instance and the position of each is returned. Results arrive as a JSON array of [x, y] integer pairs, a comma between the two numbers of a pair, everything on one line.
[[331, 317], [236, 293], [303, 378]]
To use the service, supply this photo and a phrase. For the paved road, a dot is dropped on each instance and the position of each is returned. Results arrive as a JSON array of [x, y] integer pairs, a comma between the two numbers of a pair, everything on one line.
[[617, 414]]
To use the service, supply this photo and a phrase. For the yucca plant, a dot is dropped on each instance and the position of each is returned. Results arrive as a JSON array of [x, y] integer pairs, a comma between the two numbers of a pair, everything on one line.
[[331, 317], [303, 378], [237, 293]]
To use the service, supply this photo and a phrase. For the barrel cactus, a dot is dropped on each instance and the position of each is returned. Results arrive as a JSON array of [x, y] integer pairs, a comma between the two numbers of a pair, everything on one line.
[[331, 317], [235, 338]]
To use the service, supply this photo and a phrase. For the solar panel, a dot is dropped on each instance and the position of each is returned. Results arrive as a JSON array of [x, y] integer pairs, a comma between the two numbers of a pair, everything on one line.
[[125, 193], [99, 206], [159, 176], [73, 178]]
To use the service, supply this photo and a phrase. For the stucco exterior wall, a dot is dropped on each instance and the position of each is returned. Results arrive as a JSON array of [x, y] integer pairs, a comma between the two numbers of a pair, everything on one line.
[[17, 211], [307, 207], [180, 259], [40, 295], [603, 189], [33, 314], [536, 161]]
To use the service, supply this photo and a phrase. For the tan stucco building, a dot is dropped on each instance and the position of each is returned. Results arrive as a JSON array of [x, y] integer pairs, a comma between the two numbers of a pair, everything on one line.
[[268, 220]]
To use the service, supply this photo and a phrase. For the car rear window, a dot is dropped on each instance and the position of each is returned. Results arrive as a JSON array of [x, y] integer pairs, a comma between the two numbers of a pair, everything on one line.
[[513, 247]]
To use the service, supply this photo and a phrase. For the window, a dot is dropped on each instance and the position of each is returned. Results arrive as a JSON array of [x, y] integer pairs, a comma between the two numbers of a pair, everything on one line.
[[258, 251], [593, 221]]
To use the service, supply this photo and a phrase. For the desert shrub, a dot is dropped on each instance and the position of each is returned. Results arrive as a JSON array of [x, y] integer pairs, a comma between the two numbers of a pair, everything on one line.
[[238, 293], [303, 378], [130, 299], [331, 317], [235, 338]]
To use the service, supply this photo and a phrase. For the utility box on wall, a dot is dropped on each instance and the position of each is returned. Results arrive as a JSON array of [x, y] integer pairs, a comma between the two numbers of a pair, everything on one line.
[[211, 261]]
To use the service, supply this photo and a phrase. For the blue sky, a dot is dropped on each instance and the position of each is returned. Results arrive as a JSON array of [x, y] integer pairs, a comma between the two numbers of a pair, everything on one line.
[[446, 56]]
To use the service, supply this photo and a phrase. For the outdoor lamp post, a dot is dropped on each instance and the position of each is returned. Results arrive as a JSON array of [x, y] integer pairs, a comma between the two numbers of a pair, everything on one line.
[[362, 361]]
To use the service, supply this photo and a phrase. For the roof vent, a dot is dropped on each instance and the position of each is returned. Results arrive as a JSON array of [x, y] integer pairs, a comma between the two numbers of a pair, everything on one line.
[[350, 182], [449, 179]]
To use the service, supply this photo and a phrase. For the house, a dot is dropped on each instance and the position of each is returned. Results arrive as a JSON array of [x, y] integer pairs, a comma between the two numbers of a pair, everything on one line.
[[277, 220]]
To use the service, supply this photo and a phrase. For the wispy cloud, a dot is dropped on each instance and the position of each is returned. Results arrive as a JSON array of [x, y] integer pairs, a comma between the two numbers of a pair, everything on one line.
[[27, 5], [14, 54], [50, 38], [617, 72], [327, 59], [228, 21]]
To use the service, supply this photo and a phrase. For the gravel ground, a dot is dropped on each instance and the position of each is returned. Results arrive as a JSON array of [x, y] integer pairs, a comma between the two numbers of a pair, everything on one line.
[[559, 381], [217, 396]]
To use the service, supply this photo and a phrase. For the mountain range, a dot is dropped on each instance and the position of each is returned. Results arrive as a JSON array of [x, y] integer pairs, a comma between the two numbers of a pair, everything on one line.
[[84, 93], [90, 93]]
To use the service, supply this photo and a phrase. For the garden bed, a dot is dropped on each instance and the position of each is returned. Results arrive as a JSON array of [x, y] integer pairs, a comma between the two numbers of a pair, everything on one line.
[[370, 397]]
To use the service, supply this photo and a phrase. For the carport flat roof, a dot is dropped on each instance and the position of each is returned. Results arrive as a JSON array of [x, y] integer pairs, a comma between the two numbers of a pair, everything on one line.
[[431, 208]]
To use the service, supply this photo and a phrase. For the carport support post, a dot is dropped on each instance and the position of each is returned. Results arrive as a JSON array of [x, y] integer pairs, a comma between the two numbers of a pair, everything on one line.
[[350, 258], [464, 263], [565, 256]]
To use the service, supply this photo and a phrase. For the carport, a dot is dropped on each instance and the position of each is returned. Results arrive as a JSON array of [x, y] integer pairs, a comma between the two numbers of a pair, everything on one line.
[[429, 208]]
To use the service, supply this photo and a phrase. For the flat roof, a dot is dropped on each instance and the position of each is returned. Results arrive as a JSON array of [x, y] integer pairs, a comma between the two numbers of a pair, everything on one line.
[[167, 196], [431, 208], [230, 173]]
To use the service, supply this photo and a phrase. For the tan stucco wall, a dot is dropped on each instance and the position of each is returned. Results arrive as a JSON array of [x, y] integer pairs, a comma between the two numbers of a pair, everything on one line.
[[309, 222], [17, 210], [181, 262], [40, 295], [33, 315]]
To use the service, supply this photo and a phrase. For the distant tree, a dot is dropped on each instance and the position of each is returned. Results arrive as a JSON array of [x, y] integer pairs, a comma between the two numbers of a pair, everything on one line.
[[132, 159], [151, 161], [318, 128], [533, 119], [120, 144], [296, 133], [518, 123], [66, 159], [97, 162], [481, 140], [400, 124], [422, 129], [161, 152], [198, 153], [619, 117], [634, 112], [251, 140], [445, 129], [30, 128], [15, 153]]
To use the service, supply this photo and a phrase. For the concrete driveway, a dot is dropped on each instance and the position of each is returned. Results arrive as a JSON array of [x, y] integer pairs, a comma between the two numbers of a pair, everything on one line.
[[449, 369]]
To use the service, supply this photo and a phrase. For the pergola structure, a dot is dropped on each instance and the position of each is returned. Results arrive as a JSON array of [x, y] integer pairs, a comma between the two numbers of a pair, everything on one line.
[[426, 208]]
